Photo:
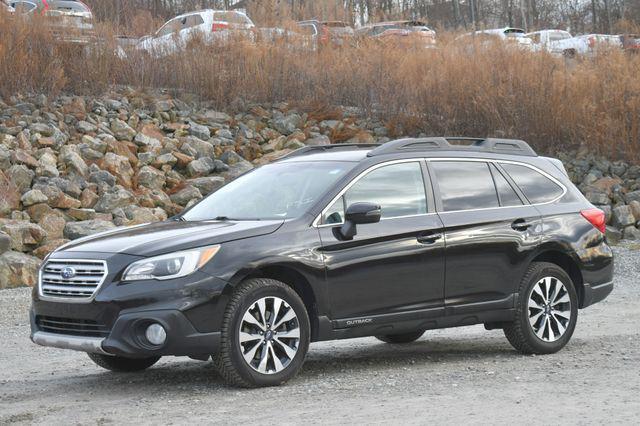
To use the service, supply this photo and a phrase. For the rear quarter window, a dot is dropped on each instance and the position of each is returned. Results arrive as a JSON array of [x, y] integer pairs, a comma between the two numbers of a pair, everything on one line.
[[534, 185]]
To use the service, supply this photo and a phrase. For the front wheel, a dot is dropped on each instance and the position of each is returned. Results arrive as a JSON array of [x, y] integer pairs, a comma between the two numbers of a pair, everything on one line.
[[265, 334], [546, 311], [123, 365]]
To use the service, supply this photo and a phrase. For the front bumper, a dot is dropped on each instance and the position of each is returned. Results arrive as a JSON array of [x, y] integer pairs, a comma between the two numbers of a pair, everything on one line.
[[127, 337], [114, 321]]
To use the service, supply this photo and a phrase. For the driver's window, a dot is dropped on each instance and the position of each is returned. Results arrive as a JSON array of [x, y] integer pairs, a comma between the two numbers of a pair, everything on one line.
[[397, 188]]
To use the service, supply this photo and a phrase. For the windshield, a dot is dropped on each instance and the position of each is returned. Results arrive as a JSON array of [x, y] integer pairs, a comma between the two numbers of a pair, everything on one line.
[[274, 191]]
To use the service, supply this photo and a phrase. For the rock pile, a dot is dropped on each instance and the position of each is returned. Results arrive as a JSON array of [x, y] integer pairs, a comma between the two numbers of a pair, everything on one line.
[[73, 166]]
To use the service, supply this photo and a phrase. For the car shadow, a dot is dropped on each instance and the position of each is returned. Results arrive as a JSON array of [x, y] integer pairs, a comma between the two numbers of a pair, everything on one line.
[[325, 359]]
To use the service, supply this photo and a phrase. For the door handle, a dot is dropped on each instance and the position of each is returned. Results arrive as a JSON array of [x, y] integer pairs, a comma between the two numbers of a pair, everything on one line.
[[429, 239], [521, 225]]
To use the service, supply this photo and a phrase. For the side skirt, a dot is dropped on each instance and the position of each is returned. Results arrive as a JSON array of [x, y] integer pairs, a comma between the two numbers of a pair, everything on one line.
[[426, 319]]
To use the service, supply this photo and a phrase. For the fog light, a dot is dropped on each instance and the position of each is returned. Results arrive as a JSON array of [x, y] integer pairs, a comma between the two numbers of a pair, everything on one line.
[[155, 334]]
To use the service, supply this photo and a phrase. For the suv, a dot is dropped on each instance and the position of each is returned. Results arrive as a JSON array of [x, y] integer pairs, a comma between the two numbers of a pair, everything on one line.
[[70, 21], [333, 242]]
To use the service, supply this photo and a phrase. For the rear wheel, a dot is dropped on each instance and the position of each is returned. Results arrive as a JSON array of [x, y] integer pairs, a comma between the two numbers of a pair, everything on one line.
[[265, 334], [402, 337], [124, 365], [546, 311]]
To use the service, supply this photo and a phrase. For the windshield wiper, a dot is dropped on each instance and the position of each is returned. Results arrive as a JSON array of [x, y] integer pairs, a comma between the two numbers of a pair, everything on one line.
[[227, 218]]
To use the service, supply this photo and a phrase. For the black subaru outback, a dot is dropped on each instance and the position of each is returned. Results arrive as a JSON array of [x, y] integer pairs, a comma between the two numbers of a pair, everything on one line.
[[333, 242]]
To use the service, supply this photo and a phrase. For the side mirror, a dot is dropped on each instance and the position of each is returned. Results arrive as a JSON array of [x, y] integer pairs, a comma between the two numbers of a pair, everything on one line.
[[359, 214]]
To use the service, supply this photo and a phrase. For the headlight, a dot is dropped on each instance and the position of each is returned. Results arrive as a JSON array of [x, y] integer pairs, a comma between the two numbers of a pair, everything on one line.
[[168, 266]]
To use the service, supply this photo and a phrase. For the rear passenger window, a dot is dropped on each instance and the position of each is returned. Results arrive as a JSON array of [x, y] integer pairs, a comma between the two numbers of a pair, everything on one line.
[[506, 193], [465, 185], [534, 185]]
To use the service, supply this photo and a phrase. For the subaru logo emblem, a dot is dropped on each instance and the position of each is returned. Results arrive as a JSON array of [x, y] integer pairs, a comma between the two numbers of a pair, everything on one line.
[[68, 272]]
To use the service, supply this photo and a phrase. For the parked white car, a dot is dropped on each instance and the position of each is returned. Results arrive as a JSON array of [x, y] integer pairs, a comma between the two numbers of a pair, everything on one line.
[[590, 44], [513, 36], [552, 41], [209, 24]]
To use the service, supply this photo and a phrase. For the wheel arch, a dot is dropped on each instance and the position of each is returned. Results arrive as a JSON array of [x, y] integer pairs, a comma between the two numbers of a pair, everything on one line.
[[295, 279], [568, 263]]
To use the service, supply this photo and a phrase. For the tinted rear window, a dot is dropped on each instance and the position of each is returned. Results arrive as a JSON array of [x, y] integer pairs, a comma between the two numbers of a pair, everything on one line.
[[534, 185], [465, 185]]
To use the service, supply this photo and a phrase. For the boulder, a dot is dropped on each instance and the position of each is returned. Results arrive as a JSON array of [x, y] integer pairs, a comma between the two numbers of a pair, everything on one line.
[[151, 178], [120, 167], [207, 185], [42, 251], [32, 197], [622, 217], [5, 242], [186, 194], [25, 236], [200, 167], [18, 270], [613, 235], [633, 196], [74, 163], [200, 147], [199, 130], [122, 131], [319, 140], [631, 233], [114, 198], [82, 214], [9, 195], [74, 230], [53, 224], [86, 127], [21, 177], [635, 209]]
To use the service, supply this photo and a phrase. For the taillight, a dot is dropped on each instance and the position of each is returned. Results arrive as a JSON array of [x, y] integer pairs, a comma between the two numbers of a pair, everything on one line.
[[217, 26], [592, 42], [596, 218], [46, 7]]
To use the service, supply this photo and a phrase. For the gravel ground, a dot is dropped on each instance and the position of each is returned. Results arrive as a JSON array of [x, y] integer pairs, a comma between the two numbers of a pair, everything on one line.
[[448, 376]]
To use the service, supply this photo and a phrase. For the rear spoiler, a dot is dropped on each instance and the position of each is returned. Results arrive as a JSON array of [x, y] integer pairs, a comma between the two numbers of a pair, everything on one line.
[[557, 164]]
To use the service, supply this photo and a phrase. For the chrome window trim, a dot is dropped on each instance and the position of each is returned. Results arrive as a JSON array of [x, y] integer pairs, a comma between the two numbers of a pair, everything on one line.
[[42, 296], [316, 222]]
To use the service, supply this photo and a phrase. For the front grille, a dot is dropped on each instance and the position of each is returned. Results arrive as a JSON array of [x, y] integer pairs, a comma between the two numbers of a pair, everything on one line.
[[70, 326], [72, 279]]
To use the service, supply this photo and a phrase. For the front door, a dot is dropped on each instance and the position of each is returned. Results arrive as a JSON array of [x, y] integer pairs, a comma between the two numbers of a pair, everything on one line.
[[392, 267]]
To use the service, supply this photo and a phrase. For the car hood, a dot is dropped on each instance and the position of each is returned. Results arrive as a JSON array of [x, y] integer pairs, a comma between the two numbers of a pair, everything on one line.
[[165, 237]]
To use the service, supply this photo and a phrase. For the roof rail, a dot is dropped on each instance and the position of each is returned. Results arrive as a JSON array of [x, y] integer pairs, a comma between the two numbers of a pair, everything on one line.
[[496, 146], [320, 148]]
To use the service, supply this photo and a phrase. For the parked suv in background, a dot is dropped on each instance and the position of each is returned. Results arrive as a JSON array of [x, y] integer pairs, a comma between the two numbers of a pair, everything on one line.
[[209, 24], [71, 21], [333, 242]]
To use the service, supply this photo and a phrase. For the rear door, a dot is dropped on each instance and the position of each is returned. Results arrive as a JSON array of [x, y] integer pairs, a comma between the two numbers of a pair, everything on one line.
[[490, 230], [393, 267]]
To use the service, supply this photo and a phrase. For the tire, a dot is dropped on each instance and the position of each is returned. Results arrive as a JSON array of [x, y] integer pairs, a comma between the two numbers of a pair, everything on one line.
[[412, 336], [252, 353], [123, 365], [544, 323]]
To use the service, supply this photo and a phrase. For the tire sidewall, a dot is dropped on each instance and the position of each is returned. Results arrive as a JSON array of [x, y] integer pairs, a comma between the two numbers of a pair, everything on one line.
[[538, 344], [241, 366]]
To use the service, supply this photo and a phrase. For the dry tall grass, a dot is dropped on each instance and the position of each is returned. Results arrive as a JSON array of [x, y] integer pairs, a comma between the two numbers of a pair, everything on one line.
[[451, 90]]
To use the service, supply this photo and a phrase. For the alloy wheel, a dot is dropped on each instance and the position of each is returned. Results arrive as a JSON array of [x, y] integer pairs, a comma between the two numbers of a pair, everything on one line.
[[269, 335], [549, 309]]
